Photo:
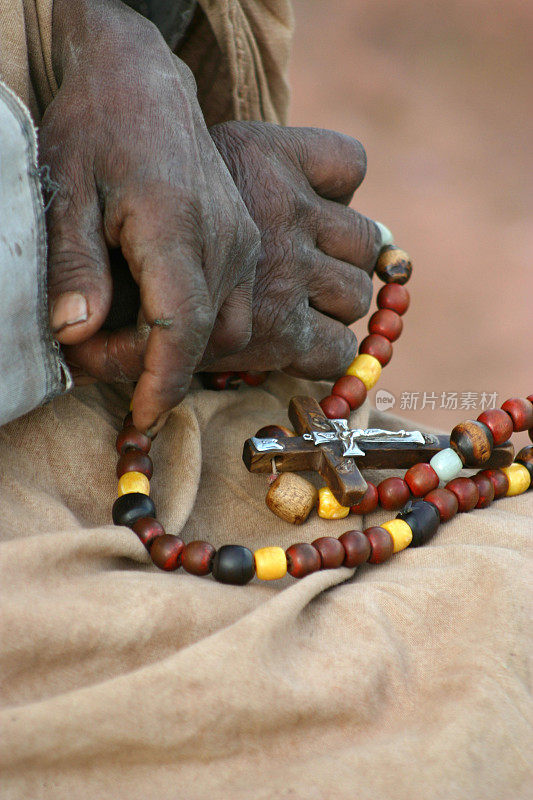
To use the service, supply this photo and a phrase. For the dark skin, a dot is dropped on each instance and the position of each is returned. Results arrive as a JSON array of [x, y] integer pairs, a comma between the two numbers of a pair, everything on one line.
[[313, 267]]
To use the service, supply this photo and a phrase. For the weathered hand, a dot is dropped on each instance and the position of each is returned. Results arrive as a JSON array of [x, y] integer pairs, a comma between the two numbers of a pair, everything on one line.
[[137, 169]]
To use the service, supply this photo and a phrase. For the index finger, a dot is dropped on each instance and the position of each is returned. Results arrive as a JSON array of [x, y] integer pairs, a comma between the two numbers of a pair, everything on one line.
[[333, 163]]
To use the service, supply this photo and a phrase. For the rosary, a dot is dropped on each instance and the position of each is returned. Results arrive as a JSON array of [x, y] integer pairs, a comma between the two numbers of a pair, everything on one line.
[[430, 493]]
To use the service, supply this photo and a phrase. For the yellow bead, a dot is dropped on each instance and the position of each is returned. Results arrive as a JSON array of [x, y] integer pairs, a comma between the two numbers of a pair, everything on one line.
[[401, 533], [270, 563], [328, 505], [366, 368], [133, 482], [519, 479]]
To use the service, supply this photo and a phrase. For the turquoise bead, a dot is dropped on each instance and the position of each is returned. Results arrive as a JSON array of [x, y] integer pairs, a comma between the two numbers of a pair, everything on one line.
[[447, 464]]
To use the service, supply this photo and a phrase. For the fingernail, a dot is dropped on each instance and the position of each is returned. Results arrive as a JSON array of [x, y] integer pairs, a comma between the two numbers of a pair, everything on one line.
[[68, 309], [386, 235]]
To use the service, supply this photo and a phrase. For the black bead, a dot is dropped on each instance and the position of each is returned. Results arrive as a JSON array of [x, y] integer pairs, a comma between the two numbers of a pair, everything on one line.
[[131, 507], [528, 465], [423, 518], [233, 564]]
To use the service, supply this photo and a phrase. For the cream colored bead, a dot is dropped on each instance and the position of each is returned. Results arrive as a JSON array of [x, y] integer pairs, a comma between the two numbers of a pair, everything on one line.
[[291, 497], [270, 563], [133, 482], [519, 479], [366, 368], [401, 533], [328, 505]]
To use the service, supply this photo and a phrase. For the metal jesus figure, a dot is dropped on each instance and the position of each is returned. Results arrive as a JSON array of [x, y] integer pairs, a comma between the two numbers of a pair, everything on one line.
[[331, 448]]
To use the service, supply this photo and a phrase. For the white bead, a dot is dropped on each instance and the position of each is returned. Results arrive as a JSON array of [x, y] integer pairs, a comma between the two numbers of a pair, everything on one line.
[[386, 235], [446, 464]]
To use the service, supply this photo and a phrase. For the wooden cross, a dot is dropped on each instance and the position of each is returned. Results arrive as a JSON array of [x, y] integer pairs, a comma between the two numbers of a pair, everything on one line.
[[332, 449]]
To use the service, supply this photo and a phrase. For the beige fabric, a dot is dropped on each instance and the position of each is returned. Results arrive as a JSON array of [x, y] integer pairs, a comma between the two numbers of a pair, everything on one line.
[[406, 680], [238, 49]]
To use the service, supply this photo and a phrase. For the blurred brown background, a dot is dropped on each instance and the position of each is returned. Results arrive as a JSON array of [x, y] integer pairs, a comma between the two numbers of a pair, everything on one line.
[[440, 95]]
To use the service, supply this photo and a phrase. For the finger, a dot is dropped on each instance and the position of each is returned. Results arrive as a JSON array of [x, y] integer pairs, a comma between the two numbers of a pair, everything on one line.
[[338, 289], [233, 326], [110, 356], [345, 234], [332, 348], [79, 280], [334, 163]]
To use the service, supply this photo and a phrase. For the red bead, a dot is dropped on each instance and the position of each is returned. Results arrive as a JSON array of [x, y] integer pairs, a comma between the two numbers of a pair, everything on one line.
[[302, 560], [135, 461], [381, 544], [485, 488], [377, 346], [446, 502], [356, 547], [520, 409], [253, 378], [335, 407], [421, 478], [393, 493], [218, 381], [332, 553], [499, 424], [147, 529], [530, 398], [394, 297], [387, 323], [351, 389], [499, 480], [369, 501], [197, 558], [166, 552], [273, 432], [132, 439], [466, 492]]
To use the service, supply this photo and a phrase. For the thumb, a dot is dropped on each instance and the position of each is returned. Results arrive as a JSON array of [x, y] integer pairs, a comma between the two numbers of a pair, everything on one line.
[[79, 278]]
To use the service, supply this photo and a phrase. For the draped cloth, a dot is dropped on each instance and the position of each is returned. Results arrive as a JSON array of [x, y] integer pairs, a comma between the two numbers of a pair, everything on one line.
[[407, 679]]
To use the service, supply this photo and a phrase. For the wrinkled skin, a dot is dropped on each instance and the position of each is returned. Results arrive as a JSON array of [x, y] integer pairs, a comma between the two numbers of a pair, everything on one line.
[[137, 169], [317, 255]]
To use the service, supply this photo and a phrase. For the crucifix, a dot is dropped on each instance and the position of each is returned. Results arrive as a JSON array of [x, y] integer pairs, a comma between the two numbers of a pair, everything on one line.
[[334, 450]]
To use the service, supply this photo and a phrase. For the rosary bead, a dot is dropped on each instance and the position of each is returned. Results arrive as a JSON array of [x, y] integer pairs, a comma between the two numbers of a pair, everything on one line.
[[393, 493], [366, 368], [499, 480], [525, 457], [519, 479], [401, 533], [328, 505], [369, 501], [466, 492], [166, 552], [394, 297], [520, 409], [351, 389], [253, 378], [233, 564], [335, 407], [270, 563], [302, 560], [133, 482], [423, 518], [386, 323], [291, 497], [446, 464], [132, 439], [131, 507], [499, 424], [332, 553], [135, 461], [218, 381], [485, 488], [421, 479], [273, 432], [381, 544], [472, 441], [197, 557], [393, 265], [356, 548], [377, 346], [444, 501], [147, 529]]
